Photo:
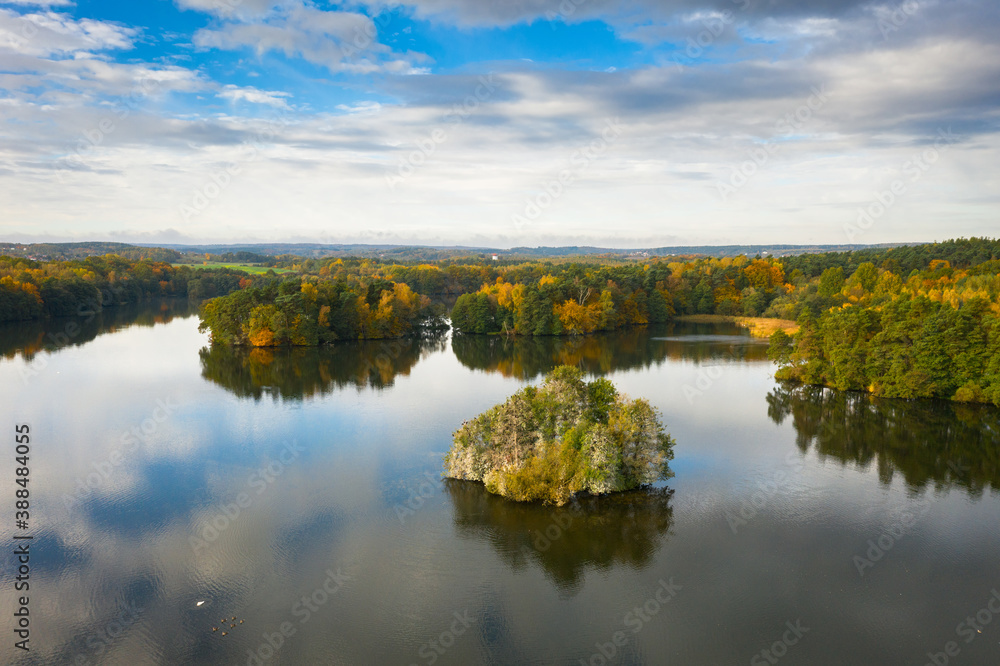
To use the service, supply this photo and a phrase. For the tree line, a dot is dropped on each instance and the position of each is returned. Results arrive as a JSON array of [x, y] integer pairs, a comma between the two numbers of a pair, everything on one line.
[[35, 289], [932, 334], [909, 321], [567, 298], [304, 311]]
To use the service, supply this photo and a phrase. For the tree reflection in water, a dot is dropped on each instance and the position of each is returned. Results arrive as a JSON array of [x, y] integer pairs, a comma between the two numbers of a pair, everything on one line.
[[27, 338], [301, 372], [525, 357], [622, 529], [927, 441]]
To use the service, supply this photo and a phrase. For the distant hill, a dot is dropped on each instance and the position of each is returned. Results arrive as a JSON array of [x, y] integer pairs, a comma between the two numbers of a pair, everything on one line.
[[266, 252], [439, 252], [700, 250], [67, 251]]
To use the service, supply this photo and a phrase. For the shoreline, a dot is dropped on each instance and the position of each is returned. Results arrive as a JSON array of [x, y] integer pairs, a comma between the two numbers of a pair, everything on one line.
[[758, 327]]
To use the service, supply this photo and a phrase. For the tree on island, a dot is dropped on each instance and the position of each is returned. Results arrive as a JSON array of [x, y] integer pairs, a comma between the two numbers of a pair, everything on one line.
[[564, 437]]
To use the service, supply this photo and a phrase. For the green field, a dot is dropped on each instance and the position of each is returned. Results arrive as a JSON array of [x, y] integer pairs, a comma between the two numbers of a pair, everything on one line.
[[249, 268]]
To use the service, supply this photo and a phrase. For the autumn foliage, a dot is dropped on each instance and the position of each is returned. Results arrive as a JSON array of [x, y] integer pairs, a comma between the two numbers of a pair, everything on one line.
[[549, 443], [309, 312]]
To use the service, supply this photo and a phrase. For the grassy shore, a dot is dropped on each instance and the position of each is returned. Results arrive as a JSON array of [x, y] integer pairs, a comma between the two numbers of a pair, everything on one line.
[[758, 327]]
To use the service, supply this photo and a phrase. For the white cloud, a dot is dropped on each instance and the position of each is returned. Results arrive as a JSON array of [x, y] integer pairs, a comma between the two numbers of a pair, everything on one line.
[[254, 95], [360, 107], [682, 133], [229, 8], [340, 41], [684, 130], [39, 3], [51, 34]]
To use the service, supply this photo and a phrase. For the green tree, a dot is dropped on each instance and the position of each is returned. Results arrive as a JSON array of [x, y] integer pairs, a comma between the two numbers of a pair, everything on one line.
[[831, 281]]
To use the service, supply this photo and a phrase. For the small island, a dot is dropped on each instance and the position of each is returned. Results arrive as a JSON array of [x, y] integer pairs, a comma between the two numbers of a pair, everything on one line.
[[567, 436]]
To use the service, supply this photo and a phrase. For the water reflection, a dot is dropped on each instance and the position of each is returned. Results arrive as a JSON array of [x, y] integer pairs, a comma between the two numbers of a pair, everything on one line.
[[539, 591], [588, 533], [634, 348], [302, 372], [947, 444], [27, 338]]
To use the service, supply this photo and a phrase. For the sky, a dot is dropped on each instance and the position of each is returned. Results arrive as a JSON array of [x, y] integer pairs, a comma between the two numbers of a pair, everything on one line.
[[635, 123]]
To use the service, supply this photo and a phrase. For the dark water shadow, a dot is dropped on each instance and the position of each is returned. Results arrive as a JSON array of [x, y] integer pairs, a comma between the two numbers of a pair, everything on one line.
[[302, 372], [527, 357], [928, 442], [27, 338], [618, 530]]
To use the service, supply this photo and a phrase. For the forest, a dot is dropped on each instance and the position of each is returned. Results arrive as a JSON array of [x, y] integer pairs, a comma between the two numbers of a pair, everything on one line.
[[924, 323], [303, 312], [552, 298], [37, 289], [904, 322]]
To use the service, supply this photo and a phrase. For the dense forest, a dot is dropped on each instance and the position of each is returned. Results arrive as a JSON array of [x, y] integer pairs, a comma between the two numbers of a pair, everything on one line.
[[933, 332], [552, 298], [304, 312], [36, 289], [69, 251], [906, 322]]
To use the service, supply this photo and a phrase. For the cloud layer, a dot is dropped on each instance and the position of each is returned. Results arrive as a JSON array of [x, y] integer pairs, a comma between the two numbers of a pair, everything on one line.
[[733, 122]]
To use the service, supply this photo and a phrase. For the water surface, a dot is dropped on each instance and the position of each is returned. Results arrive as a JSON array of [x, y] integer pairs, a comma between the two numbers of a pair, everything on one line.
[[301, 489]]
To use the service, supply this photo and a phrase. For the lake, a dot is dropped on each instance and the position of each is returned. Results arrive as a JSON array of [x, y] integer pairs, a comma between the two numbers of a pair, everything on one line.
[[292, 499]]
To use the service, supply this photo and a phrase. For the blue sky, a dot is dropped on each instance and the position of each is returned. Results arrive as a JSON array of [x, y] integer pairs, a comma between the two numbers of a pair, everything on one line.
[[630, 124]]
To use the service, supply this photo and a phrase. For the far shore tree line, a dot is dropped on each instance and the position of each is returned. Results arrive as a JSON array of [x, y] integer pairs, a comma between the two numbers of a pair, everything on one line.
[[913, 321], [39, 289]]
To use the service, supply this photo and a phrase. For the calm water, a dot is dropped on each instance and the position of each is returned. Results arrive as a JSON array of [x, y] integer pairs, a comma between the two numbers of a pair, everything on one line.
[[300, 491]]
